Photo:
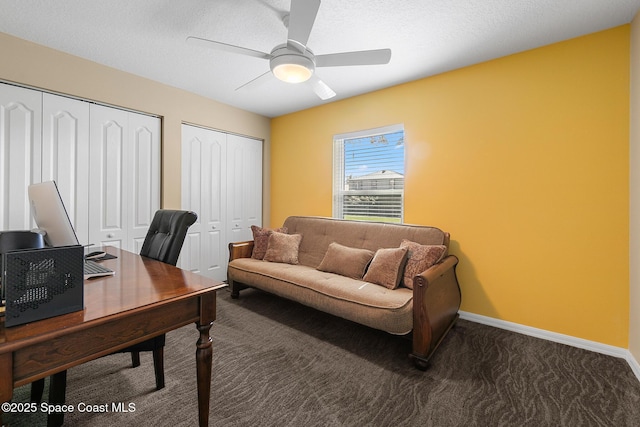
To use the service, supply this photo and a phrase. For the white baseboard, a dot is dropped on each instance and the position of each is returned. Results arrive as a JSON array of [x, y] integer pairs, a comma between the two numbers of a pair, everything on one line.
[[633, 363], [609, 350]]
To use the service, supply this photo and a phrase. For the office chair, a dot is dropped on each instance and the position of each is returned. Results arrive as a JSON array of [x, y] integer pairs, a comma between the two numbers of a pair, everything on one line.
[[20, 239], [163, 242]]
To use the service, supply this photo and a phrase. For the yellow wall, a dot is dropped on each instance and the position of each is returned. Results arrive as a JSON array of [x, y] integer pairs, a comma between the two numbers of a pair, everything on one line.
[[634, 191], [34, 65], [523, 159]]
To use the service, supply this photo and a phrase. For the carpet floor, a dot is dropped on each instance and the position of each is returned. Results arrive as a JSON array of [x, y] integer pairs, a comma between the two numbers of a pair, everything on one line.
[[278, 363]]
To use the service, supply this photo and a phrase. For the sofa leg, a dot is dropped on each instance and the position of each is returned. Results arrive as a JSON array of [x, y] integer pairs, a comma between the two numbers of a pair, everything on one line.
[[235, 292], [235, 288], [420, 362]]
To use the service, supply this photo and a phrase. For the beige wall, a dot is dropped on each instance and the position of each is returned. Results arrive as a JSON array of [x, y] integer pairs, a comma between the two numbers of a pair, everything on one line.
[[634, 193], [30, 64]]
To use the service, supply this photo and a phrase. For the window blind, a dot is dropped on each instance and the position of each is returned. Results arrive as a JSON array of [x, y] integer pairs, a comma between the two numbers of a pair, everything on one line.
[[368, 175]]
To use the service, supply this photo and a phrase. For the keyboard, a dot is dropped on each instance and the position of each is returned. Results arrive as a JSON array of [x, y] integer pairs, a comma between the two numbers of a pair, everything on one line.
[[93, 269]]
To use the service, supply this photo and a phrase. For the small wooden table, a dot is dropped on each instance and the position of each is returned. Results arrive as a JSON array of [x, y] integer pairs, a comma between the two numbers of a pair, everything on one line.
[[144, 299]]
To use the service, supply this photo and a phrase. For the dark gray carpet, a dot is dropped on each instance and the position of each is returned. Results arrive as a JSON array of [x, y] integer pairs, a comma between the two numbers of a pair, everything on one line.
[[277, 363]]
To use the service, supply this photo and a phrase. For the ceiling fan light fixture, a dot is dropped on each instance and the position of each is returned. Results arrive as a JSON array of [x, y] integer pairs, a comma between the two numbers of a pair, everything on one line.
[[292, 68], [293, 61]]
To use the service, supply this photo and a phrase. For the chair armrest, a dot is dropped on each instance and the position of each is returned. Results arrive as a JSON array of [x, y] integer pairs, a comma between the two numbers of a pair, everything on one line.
[[436, 301], [240, 249]]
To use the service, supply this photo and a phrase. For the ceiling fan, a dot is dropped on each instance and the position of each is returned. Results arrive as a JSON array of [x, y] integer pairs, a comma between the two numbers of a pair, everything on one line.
[[294, 62]]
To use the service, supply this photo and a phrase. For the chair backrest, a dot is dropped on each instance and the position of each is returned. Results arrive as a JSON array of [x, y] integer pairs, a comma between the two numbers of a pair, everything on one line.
[[20, 239], [166, 235]]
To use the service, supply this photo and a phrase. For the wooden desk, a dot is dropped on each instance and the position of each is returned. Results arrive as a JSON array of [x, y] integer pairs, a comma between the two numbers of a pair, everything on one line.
[[145, 298]]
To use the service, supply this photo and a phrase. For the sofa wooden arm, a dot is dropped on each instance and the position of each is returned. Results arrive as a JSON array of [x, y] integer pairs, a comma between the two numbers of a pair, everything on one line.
[[240, 249], [436, 301]]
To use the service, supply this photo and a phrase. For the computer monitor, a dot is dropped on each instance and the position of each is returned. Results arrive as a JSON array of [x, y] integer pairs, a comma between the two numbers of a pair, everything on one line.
[[50, 214]]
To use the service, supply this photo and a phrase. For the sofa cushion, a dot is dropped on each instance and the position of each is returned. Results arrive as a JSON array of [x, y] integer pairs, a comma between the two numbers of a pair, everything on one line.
[[283, 247], [387, 267], [420, 258], [362, 302], [261, 240], [346, 261], [319, 233]]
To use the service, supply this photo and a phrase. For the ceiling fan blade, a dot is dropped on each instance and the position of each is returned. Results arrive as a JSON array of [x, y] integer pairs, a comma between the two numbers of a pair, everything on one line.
[[255, 82], [321, 89], [301, 18], [197, 41], [362, 57]]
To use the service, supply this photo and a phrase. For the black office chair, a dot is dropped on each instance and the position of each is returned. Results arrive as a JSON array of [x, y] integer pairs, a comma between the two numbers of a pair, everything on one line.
[[20, 239], [163, 242]]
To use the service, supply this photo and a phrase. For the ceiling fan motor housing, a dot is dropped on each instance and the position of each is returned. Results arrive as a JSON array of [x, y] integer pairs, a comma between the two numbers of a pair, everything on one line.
[[290, 65]]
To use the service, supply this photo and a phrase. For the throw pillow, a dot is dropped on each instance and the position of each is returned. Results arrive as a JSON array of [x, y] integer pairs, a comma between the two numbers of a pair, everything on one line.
[[387, 267], [261, 239], [346, 261], [283, 248], [420, 257]]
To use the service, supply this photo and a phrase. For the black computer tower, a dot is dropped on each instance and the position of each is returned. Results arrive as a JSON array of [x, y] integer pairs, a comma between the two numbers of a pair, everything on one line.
[[42, 283]]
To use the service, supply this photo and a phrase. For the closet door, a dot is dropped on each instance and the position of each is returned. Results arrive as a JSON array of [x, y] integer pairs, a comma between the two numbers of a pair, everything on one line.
[[124, 176], [20, 154], [108, 172], [143, 152], [65, 156], [203, 191], [105, 161], [244, 195]]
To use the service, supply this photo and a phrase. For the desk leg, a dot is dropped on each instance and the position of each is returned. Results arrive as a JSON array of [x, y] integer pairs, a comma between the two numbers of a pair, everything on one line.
[[204, 355]]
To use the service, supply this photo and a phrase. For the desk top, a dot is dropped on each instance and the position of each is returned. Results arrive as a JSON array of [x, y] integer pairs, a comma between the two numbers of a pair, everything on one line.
[[138, 282]]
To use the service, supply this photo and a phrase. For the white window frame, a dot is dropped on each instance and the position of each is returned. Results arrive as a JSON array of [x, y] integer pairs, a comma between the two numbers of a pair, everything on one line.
[[339, 164]]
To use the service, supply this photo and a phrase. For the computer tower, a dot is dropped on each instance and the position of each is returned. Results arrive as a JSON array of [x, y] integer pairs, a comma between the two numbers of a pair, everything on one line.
[[42, 283]]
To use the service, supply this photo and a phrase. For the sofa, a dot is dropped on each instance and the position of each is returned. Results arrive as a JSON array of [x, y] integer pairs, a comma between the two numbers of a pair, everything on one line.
[[396, 278]]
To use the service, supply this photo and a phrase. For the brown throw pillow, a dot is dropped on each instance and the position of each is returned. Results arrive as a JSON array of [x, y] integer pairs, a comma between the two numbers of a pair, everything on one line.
[[283, 248], [420, 258], [261, 240], [387, 267], [346, 261]]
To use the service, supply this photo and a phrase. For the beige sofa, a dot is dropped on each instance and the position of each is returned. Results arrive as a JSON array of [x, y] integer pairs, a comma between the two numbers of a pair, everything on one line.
[[321, 253]]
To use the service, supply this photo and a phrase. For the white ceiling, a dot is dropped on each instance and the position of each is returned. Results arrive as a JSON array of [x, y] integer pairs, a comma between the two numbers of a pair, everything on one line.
[[427, 37]]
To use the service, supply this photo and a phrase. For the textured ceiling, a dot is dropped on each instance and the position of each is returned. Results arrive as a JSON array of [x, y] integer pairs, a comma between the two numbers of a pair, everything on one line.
[[147, 38]]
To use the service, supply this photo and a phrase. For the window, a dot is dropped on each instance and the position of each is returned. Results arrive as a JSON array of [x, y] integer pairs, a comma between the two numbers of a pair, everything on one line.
[[368, 175]]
